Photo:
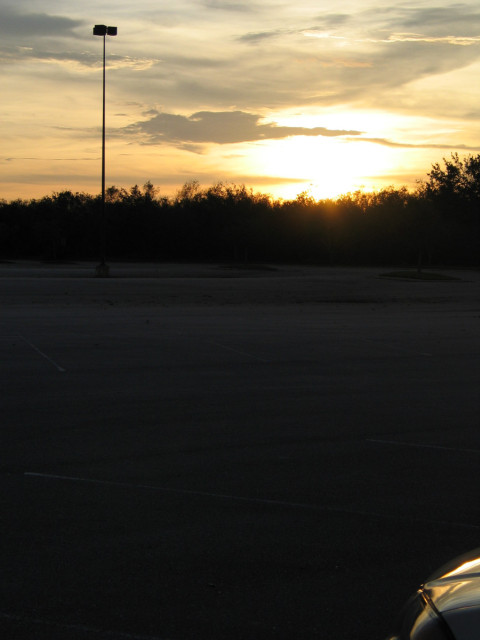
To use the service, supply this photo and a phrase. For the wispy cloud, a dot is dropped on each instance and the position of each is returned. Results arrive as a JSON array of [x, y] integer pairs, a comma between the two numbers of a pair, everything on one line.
[[455, 24], [79, 60], [417, 37], [406, 145], [391, 39], [359, 57], [43, 159]]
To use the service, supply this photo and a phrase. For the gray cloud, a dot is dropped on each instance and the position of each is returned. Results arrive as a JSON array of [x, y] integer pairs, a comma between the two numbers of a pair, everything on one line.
[[259, 36], [15, 24], [42, 38], [227, 5], [456, 19], [333, 20], [225, 127], [39, 36]]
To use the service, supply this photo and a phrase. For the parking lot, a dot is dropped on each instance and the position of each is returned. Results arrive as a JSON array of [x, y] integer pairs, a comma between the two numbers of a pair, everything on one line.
[[208, 452]]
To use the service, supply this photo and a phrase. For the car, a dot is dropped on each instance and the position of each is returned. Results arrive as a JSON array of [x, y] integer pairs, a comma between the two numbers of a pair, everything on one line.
[[447, 604]]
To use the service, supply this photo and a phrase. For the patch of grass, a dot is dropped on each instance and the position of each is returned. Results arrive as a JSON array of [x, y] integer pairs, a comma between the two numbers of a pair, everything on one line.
[[415, 275]]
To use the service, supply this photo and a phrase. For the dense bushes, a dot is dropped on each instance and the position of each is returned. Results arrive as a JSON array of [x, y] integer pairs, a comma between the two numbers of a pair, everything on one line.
[[439, 223]]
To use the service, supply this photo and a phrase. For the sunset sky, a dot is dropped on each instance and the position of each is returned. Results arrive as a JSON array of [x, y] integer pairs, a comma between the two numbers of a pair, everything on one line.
[[328, 96]]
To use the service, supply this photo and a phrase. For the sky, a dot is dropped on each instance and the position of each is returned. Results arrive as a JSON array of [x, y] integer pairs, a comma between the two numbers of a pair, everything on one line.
[[326, 97]]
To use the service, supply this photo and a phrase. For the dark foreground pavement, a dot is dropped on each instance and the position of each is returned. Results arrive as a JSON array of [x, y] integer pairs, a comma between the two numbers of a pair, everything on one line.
[[208, 453]]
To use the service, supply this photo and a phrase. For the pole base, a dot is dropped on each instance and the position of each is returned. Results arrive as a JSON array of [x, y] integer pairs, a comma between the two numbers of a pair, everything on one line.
[[102, 270]]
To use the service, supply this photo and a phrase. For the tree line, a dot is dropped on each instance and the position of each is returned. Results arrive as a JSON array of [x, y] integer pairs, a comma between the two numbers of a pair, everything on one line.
[[436, 224]]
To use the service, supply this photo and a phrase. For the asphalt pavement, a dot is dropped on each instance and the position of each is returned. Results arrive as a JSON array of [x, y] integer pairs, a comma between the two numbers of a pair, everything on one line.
[[210, 452]]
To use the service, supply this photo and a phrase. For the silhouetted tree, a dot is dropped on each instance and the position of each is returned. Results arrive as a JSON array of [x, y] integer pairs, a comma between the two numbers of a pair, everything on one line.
[[437, 223], [454, 193]]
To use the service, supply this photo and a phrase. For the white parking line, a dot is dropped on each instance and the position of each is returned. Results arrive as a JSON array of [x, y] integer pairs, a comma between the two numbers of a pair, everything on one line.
[[44, 355], [266, 501], [421, 446], [77, 627]]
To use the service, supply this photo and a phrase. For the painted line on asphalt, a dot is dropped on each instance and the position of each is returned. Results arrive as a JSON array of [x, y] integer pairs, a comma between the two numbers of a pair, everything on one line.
[[44, 355], [77, 627], [421, 446], [242, 353], [264, 501]]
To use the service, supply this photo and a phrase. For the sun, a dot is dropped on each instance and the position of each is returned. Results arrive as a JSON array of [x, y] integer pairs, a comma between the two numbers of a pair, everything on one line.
[[331, 165], [325, 167]]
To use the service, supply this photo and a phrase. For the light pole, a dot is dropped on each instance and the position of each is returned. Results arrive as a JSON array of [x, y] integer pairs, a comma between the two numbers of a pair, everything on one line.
[[102, 270]]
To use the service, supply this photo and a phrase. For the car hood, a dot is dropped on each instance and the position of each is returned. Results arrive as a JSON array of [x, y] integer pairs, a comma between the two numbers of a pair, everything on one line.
[[454, 591]]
